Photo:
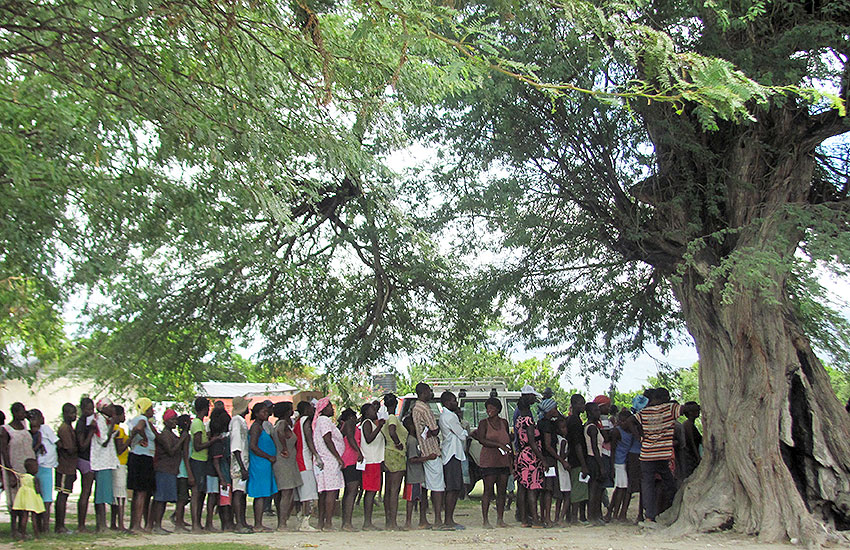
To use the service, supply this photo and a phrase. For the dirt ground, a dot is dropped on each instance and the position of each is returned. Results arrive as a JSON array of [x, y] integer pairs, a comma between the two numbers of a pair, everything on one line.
[[615, 537], [612, 537]]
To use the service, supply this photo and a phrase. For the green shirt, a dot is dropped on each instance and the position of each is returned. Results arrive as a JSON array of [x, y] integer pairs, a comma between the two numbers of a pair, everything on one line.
[[395, 460], [198, 426]]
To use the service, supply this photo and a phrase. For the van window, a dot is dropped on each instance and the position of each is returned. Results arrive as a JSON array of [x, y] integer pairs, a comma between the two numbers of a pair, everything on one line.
[[512, 401], [474, 411]]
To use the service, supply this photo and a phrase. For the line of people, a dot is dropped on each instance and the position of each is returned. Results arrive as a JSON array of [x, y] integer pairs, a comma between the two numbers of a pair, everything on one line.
[[303, 461], [562, 458]]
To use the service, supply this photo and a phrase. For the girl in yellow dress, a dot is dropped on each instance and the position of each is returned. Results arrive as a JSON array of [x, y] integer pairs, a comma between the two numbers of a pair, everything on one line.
[[28, 501]]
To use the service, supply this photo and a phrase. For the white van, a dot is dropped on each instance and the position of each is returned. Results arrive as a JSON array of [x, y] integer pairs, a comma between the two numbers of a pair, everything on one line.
[[471, 395]]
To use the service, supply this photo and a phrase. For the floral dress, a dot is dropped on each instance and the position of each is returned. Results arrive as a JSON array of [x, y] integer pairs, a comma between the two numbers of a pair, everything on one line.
[[529, 470], [329, 477]]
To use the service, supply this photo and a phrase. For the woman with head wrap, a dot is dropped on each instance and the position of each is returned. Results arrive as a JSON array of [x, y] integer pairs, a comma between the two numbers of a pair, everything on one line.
[[141, 478], [330, 446]]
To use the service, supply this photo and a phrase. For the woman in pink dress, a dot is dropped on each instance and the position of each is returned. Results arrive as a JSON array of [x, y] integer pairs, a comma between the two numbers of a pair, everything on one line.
[[330, 446], [529, 463]]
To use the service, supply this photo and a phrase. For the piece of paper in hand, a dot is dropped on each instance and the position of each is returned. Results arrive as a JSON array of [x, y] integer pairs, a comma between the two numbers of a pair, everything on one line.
[[583, 478], [551, 472], [425, 433], [361, 466]]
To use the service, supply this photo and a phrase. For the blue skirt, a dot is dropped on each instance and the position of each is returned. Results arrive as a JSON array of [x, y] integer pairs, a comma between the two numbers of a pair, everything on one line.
[[261, 482]]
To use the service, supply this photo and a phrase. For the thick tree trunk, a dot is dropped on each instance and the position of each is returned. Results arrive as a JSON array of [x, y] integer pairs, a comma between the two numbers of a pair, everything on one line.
[[777, 441], [777, 445]]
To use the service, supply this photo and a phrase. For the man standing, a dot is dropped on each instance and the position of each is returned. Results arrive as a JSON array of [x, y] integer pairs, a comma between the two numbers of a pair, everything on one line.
[[454, 437], [66, 471], [656, 449], [427, 432], [239, 462]]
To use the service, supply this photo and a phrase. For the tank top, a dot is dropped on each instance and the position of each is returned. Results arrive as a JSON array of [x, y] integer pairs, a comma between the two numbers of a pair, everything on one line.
[[623, 446], [490, 456], [20, 447], [588, 442], [373, 453], [349, 455], [303, 457]]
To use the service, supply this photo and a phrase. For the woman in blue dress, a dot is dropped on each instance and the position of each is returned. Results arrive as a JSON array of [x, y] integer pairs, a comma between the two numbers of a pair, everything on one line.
[[261, 482]]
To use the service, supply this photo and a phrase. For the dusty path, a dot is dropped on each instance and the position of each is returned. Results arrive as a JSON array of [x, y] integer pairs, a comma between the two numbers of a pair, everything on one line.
[[613, 537]]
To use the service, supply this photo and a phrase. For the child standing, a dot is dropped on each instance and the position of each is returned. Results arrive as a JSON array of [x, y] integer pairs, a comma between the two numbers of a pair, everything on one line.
[[414, 492], [562, 507], [119, 476], [28, 501], [44, 444]]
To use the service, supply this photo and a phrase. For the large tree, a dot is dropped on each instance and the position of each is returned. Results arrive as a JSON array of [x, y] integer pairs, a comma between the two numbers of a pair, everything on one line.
[[191, 174], [617, 221]]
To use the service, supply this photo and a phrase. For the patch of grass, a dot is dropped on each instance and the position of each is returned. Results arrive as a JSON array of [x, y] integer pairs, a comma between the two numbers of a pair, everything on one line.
[[96, 542]]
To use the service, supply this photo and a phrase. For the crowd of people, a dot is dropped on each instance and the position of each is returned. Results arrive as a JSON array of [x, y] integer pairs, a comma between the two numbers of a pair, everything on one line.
[[301, 463]]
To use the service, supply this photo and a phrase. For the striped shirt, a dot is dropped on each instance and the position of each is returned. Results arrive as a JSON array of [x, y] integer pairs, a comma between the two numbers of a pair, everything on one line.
[[423, 418], [657, 423]]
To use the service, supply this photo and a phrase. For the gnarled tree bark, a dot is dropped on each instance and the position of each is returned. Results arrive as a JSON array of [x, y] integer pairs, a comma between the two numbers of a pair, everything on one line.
[[777, 446]]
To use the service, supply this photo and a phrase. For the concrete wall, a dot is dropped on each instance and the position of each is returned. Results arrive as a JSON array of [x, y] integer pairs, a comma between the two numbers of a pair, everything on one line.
[[49, 396]]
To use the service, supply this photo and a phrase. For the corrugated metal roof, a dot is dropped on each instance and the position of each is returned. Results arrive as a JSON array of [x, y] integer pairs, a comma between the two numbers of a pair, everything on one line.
[[233, 389]]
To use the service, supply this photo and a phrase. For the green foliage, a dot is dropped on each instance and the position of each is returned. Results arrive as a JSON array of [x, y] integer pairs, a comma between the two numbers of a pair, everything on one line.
[[840, 381], [202, 174], [199, 174], [30, 329], [683, 384], [479, 363], [588, 213]]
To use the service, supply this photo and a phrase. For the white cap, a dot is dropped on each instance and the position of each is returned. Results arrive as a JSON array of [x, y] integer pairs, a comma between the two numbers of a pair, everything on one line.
[[527, 389]]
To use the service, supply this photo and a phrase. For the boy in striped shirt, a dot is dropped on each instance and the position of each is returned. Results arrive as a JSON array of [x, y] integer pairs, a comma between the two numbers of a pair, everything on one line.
[[656, 449]]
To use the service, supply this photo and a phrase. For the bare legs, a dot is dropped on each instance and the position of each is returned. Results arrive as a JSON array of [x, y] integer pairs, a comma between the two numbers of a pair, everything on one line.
[[438, 497], [527, 507], [87, 481], [44, 518], [61, 507], [212, 504], [138, 511], [259, 507], [391, 492], [283, 499], [368, 506], [327, 500], [117, 514], [156, 513], [501, 484], [348, 497]]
